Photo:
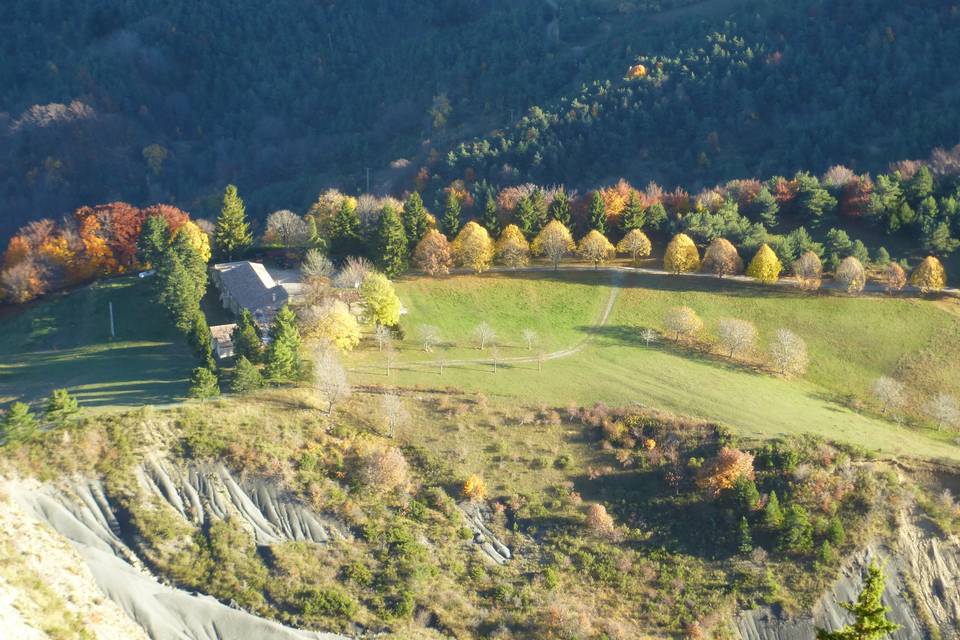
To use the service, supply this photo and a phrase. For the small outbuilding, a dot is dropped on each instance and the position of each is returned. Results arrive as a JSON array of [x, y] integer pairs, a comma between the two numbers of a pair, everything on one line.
[[222, 336]]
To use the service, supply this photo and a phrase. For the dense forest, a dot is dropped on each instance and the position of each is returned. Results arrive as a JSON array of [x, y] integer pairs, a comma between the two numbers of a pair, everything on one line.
[[167, 102]]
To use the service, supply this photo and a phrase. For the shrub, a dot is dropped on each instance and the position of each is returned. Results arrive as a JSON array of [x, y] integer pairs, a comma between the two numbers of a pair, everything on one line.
[[331, 602]]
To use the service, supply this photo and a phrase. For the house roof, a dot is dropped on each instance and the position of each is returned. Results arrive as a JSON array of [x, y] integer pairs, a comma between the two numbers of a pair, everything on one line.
[[251, 285], [222, 333]]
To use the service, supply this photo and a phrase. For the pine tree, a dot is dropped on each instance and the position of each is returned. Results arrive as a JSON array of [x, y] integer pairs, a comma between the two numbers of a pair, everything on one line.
[[192, 261], [179, 293], [201, 340], [538, 201], [765, 207], [415, 223], [835, 531], [634, 215], [204, 384], [246, 341], [490, 218], [796, 536], [451, 215], [598, 213], [345, 229], [153, 240], [560, 207], [772, 514], [744, 539], [283, 355], [18, 423], [747, 496], [392, 246], [869, 613], [526, 216], [233, 235], [246, 377], [60, 406], [656, 216]]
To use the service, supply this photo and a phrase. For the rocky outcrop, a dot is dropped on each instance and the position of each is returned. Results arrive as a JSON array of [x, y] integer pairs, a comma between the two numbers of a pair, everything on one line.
[[199, 492], [82, 514], [922, 591], [475, 517]]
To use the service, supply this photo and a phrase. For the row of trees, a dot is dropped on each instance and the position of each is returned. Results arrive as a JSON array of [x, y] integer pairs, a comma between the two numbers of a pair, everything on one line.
[[892, 396], [19, 424]]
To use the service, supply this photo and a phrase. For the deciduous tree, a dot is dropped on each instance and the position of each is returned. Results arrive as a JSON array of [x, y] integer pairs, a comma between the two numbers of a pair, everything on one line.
[[600, 522], [284, 228], [851, 275], [894, 278], [353, 273], [330, 378], [332, 322], [723, 472], [484, 334], [788, 353], [737, 337], [386, 470], [395, 414], [512, 249], [429, 336], [472, 248], [635, 244], [475, 488], [929, 275], [594, 247], [433, 254], [808, 270], [889, 393], [683, 322], [681, 255], [721, 258], [944, 410], [380, 299], [765, 266], [554, 242]]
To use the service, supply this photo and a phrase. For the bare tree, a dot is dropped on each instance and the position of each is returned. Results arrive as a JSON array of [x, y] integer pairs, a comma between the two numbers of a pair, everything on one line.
[[943, 409], [395, 414], [649, 336], [737, 337], [530, 338], [316, 265], [495, 357], [330, 378], [389, 358], [683, 322], [889, 393], [353, 272], [809, 271], [386, 470], [894, 278], [429, 336], [286, 229], [788, 353], [851, 275], [383, 335], [484, 333]]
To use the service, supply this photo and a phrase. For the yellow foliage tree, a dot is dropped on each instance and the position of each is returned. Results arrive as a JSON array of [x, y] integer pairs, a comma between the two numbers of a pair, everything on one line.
[[765, 266], [722, 472], [554, 242], [512, 249], [332, 322], [636, 72], [475, 488], [681, 255], [636, 244], [198, 239], [473, 248], [929, 275], [595, 247]]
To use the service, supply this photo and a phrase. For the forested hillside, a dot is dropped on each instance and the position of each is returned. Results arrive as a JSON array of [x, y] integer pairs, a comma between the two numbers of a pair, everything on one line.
[[151, 101]]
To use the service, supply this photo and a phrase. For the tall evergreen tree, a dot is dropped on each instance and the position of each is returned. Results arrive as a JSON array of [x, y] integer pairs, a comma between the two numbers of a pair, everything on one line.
[[192, 261], [246, 377], [490, 218], [283, 354], [415, 222], [560, 207], [246, 341], [233, 235], [656, 215], [538, 200], [869, 613], [765, 207], [744, 539], [450, 224], [345, 229], [204, 384], [61, 406], [634, 214], [201, 340], [392, 248], [526, 216], [153, 240], [178, 292], [18, 424], [772, 514], [598, 213]]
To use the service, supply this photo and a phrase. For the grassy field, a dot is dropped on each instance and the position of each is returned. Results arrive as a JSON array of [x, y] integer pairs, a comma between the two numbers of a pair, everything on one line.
[[65, 342], [851, 342]]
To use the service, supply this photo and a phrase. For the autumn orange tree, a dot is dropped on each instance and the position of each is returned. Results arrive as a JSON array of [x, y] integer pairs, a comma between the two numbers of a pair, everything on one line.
[[722, 472]]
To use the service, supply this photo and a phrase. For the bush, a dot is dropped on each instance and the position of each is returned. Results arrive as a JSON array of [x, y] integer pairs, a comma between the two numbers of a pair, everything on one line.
[[332, 603]]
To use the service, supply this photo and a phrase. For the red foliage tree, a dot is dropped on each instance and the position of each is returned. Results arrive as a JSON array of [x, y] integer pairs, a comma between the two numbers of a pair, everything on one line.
[[855, 198]]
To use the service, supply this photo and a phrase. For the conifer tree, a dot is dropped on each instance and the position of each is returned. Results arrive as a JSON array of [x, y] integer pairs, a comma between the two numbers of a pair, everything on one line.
[[18, 423], [634, 215], [345, 229], [204, 384], [283, 354], [450, 224], [765, 207], [526, 216], [201, 340], [538, 202], [246, 341], [153, 240], [233, 235], [392, 248], [869, 613], [60, 406], [796, 536], [656, 215], [772, 514], [560, 208], [246, 377], [490, 218], [598, 213], [179, 292], [744, 539], [415, 221]]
